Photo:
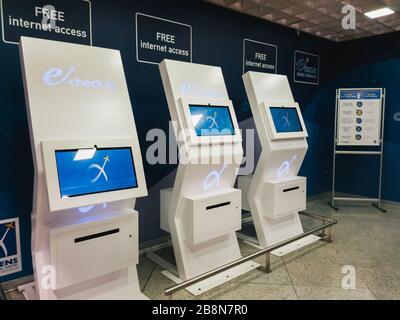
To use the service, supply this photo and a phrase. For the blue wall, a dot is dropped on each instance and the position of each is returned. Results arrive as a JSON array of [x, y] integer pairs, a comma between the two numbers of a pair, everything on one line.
[[217, 40]]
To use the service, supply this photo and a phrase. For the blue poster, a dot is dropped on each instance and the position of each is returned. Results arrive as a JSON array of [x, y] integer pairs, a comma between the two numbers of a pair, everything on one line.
[[359, 117], [68, 21], [211, 120], [102, 171], [306, 68], [259, 57], [158, 39]]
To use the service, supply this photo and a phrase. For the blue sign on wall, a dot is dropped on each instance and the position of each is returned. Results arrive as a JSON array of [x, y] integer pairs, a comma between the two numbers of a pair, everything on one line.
[[259, 57], [68, 21], [306, 67], [158, 39], [10, 252]]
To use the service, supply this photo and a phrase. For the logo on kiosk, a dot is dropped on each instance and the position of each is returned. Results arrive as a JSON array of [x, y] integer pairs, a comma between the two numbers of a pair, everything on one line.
[[57, 77], [10, 259], [285, 118], [214, 178], [101, 170], [285, 167]]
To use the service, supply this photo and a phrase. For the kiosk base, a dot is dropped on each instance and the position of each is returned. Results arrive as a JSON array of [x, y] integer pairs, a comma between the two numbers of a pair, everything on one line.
[[214, 281], [121, 285], [28, 291], [203, 286]]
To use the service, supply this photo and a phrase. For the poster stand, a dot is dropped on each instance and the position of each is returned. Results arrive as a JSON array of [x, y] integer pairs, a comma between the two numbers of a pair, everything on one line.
[[376, 202]]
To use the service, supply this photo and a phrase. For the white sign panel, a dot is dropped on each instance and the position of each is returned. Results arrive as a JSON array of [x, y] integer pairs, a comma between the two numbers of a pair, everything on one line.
[[359, 117], [10, 247]]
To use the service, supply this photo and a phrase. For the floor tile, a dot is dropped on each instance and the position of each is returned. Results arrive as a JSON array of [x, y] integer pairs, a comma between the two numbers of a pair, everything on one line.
[[321, 293], [251, 291]]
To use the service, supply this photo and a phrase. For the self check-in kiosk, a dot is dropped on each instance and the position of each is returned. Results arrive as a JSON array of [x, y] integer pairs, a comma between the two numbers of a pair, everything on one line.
[[275, 193], [203, 210], [88, 172]]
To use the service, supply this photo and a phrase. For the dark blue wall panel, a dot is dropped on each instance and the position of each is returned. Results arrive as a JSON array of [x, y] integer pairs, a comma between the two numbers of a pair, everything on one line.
[[217, 40]]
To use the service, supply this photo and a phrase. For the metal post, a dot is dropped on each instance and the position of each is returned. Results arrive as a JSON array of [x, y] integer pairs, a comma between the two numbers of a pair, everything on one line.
[[332, 204], [379, 206], [267, 267], [2, 294], [328, 234]]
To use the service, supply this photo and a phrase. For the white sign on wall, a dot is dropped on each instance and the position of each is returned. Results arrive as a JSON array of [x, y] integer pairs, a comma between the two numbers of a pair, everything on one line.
[[359, 117]]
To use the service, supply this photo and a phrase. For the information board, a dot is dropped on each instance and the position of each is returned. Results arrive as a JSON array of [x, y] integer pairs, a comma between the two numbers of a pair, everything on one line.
[[359, 117]]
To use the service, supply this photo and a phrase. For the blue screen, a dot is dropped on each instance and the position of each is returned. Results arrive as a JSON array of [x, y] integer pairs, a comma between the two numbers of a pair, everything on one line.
[[211, 121], [286, 120], [108, 170]]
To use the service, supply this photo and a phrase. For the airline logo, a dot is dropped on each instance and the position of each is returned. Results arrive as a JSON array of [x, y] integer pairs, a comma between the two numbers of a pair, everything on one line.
[[10, 258]]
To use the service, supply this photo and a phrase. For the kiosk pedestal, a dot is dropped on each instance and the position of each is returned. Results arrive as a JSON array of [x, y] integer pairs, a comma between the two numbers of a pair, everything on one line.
[[203, 210], [88, 172], [275, 193]]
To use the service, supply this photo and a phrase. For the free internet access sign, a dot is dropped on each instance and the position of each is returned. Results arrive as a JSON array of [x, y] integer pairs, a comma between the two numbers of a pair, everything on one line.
[[259, 56], [158, 39], [10, 247], [60, 20]]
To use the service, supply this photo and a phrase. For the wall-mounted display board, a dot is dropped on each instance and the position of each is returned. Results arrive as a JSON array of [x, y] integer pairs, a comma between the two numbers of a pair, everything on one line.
[[60, 20], [359, 129], [359, 117]]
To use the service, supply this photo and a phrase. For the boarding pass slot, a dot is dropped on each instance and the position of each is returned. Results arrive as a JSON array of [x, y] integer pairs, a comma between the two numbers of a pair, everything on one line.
[[97, 235], [220, 205], [291, 189]]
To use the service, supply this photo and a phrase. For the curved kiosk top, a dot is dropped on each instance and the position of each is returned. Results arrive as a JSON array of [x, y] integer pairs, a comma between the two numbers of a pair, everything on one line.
[[88, 171]]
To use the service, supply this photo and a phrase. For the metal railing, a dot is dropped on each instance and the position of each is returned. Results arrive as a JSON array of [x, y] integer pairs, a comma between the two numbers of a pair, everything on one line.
[[327, 235], [2, 294]]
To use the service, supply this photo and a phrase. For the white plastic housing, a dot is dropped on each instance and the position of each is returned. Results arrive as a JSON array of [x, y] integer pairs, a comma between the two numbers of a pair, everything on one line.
[[212, 215], [284, 197]]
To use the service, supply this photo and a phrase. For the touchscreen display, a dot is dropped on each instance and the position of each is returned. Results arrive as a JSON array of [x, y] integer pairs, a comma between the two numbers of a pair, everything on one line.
[[88, 171], [211, 120], [286, 120]]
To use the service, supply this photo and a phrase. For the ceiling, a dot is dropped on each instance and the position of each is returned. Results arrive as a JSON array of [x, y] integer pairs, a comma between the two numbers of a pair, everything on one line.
[[322, 18]]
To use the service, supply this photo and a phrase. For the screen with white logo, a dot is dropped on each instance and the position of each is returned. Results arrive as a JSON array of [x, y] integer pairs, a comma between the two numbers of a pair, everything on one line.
[[286, 120], [211, 120], [88, 171]]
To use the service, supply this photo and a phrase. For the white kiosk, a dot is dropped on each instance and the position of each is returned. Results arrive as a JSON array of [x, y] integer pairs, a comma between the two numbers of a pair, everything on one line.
[[275, 193], [88, 172], [203, 210]]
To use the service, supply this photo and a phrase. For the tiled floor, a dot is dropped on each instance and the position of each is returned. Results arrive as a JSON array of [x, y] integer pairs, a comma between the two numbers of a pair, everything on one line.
[[365, 240]]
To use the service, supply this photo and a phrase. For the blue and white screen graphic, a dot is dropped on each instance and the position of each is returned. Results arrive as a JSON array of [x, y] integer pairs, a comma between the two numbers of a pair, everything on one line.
[[211, 120], [101, 170], [286, 120]]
